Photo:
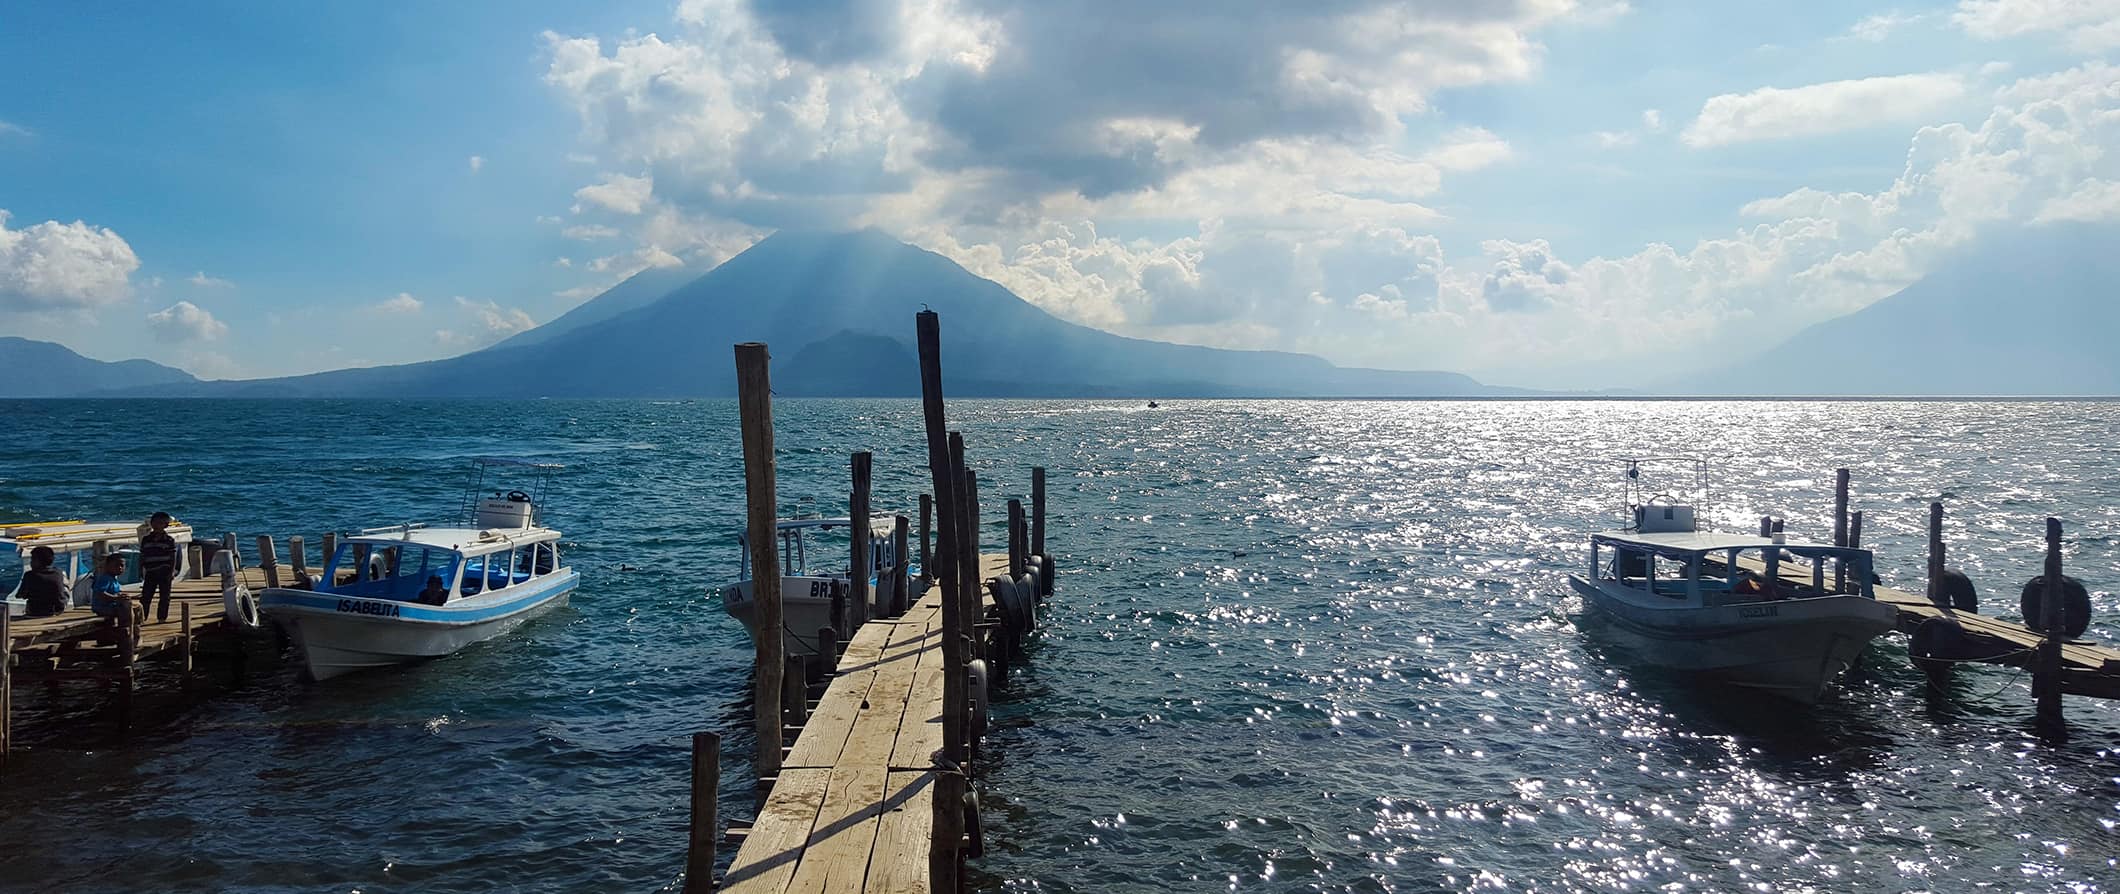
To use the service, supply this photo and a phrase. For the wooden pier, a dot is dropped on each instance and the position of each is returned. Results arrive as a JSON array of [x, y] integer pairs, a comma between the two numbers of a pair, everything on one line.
[[853, 808], [1945, 629], [874, 793]]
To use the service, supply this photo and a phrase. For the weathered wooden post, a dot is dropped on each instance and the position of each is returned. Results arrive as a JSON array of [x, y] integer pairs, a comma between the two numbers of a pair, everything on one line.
[[706, 785], [968, 585], [1936, 595], [7, 683], [839, 608], [298, 550], [1766, 525], [863, 598], [184, 627], [1037, 510], [2046, 669], [944, 853], [1019, 553], [269, 559], [754, 404], [827, 653], [795, 694], [331, 548], [1840, 528], [235, 556], [194, 561]]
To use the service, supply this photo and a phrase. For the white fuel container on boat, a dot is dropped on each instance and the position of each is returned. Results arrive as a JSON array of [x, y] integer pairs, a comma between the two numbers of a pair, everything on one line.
[[504, 513]]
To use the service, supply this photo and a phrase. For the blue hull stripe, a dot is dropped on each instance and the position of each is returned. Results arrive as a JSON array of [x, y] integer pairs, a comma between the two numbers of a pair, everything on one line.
[[534, 592]]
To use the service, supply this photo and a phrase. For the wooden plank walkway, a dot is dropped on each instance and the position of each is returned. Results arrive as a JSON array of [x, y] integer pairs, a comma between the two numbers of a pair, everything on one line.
[[2087, 668], [59, 635], [853, 807]]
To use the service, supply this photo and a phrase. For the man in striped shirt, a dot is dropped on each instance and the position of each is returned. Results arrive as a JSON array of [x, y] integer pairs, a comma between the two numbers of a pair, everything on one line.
[[158, 564]]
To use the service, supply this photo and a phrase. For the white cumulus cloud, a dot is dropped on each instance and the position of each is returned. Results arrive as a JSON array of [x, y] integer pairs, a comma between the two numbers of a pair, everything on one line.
[[477, 162], [400, 303], [185, 322], [2086, 25], [618, 192], [1773, 113], [53, 266]]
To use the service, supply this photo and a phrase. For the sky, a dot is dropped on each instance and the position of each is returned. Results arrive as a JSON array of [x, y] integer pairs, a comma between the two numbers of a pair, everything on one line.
[[1535, 192]]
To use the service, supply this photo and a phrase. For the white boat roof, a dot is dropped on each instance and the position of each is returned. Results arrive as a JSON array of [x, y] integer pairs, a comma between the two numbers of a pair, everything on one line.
[[887, 524], [65, 533], [1703, 541], [470, 541]]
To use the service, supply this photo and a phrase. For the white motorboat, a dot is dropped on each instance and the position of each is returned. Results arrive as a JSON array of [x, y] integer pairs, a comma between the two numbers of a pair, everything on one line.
[[1725, 607], [76, 543], [807, 588], [410, 592]]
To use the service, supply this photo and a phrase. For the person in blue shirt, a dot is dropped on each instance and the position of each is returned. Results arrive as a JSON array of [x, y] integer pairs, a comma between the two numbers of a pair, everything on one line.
[[107, 591]]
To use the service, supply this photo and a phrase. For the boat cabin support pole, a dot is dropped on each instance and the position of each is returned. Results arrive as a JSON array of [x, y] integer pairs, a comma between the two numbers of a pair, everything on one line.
[[2046, 668], [754, 393]]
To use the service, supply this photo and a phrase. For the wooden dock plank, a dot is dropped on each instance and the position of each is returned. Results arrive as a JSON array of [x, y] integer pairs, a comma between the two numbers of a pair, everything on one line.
[[857, 813], [774, 847], [899, 864]]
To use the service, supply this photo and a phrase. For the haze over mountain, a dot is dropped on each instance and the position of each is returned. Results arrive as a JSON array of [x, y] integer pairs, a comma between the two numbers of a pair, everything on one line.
[[44, 369], [2031, 311], [859, 290]]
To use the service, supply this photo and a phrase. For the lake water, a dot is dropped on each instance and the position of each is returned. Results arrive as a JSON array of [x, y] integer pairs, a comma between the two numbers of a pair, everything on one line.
[[1296, 646]]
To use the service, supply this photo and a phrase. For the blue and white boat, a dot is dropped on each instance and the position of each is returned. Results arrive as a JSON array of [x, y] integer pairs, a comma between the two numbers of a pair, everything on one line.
[[400, 594]]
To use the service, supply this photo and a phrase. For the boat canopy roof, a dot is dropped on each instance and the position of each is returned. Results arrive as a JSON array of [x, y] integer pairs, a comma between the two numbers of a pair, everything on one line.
[[1710, 542], [469, 541], [76, 531], [879, 525]]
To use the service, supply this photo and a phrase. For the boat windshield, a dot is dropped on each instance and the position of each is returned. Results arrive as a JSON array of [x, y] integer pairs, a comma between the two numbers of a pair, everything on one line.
[[397, 572]]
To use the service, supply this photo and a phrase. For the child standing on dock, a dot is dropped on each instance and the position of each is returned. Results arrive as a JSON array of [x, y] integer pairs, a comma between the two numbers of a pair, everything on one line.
[[158, 565]]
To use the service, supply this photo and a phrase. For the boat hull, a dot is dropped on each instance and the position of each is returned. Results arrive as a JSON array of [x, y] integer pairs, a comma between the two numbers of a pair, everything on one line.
[[1791, 648], [339, 635], [805, 608]]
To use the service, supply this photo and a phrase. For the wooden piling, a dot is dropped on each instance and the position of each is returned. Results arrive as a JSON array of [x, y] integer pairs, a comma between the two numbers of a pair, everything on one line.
[[754, 403], [1018, 541], [184, 625], [794, 695], [194, 561], [944, 853], [862, 599], [706, 785], [966, 561], [1766, 525], [298, 552], [331, 548], [2046, 668], [1935, 593], [1840, 528], [1037, 510], [7, 683], [827, 652], [902, 583], [269, 559]]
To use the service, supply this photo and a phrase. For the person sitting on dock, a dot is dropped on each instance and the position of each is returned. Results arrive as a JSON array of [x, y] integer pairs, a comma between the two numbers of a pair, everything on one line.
[[43, 587], [436, 593], [107, 592], [158, 564]]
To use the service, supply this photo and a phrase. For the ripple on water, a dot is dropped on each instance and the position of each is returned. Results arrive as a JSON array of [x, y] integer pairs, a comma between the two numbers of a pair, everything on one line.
[[1297, 646]]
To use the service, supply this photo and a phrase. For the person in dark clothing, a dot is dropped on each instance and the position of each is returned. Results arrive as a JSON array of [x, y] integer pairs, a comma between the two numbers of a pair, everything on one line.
[[42, 585], [158, 564], [437, 593]]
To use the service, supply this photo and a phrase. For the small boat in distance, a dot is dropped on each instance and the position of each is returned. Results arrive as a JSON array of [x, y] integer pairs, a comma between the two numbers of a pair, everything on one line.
[[377, 603], [75, 544], [1152, 405], [807, 587], [1722, 605]]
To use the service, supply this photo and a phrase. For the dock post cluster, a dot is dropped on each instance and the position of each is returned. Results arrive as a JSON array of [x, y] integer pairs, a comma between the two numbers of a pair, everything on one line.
[[866, 776]]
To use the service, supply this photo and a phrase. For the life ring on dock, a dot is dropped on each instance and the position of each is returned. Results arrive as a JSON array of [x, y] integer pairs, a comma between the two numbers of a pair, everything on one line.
[[976, 688], [241, 606], [2075, 606], [972, 828], [1957, 592]]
